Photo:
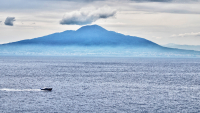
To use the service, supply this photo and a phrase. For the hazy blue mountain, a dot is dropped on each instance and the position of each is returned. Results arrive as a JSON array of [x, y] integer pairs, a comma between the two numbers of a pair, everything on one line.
[[186, 47], [88, 36], [92, 41]]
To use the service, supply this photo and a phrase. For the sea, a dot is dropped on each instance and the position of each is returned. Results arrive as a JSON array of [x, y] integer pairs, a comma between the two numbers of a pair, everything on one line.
[[99, 85]]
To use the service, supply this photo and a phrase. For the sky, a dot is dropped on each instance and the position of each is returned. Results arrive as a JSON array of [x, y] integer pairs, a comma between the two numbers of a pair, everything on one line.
[[160, 21]]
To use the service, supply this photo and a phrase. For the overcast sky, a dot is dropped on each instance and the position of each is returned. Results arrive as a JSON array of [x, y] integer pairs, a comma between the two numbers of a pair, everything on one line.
[[161, 21]]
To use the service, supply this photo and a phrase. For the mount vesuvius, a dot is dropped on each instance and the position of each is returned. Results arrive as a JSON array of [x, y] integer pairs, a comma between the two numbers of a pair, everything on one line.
[[92, 40]]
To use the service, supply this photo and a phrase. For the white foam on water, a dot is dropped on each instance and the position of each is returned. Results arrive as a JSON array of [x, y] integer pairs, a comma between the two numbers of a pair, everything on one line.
[[6, 89]]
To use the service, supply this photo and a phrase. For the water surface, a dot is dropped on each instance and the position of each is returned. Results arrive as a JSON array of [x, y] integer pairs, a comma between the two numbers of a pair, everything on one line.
[[91, 84]]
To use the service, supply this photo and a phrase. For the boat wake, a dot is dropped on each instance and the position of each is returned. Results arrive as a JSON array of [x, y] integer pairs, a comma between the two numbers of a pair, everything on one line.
[[6, 89]]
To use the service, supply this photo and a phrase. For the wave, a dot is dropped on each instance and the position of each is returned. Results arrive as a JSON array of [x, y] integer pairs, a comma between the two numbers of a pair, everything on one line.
[[7, 89]]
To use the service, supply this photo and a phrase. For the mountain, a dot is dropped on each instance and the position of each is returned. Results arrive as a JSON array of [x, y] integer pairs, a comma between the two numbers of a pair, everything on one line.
[[186, 47], [91, 40], [93, 35]]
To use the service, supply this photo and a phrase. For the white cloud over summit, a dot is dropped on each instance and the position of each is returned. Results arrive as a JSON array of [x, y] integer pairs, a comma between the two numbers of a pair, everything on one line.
[[87, 16]]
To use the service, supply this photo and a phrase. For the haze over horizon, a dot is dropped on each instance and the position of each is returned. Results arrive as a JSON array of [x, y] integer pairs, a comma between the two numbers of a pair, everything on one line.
[[160, 21]]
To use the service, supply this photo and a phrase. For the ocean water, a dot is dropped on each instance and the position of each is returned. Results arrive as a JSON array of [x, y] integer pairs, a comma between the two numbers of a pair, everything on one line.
[[99, 85]]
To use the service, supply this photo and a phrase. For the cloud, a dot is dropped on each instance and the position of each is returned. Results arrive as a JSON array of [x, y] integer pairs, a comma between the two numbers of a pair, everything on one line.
[[152, 0], [187, 34], [9, 21], [183, 1], [177, 1], [179, 8], [76, 0], [87, 17]]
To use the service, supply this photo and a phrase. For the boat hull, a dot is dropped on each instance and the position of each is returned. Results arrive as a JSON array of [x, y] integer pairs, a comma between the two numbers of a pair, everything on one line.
[[46, 89]]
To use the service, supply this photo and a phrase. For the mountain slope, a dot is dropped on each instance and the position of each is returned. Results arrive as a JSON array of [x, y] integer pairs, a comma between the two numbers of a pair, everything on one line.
[[88, 36], [186, 47], [92, 41]]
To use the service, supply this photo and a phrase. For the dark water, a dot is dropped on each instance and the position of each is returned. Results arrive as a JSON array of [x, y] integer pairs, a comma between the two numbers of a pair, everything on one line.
[[99, 85]]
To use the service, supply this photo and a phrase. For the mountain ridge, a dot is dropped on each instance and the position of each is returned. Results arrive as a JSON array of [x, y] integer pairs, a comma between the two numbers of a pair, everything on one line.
[[92, 40], [92, 35]]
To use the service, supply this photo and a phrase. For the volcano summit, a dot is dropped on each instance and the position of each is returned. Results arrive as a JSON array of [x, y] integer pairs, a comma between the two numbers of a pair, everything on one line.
[[91, 40]]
